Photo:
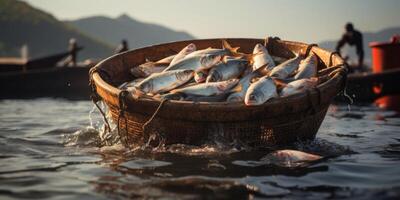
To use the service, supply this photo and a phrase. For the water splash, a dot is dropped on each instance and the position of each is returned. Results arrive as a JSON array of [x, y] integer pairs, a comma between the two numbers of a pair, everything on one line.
[[96, 134], [90, 115], [87, 136], [348, 98]]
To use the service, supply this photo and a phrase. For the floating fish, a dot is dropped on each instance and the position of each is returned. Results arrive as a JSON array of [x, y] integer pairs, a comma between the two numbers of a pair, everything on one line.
[[307, 67], [190, 48], [165, 81], [287, 68], [230, 69], [208, 89], [148, 68], [299, 86], [261, 57], [260, 91], [289, 158]]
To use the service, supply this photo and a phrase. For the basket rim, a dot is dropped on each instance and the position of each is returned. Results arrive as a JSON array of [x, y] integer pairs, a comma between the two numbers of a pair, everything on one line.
[[338, 77]]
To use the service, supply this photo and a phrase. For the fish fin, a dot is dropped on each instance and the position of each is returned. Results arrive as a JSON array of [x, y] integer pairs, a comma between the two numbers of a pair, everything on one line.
[[262, 70], [161, 64], [255, 79], [279, 83], [316, 80], [300, 54], [138, 73], [225, 59], [238, 88], [232, 50], [136, 92]]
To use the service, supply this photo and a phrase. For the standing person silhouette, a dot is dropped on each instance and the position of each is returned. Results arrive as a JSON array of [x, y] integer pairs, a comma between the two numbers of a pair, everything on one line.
[[122, 47], [352, 37], [73, 50]]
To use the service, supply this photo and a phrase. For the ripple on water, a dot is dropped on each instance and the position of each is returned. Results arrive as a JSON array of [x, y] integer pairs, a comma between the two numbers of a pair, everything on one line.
[[53, 153], [143, 163]]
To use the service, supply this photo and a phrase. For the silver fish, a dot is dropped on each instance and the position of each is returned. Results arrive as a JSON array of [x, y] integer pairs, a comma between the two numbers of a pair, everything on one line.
[[230, 69], [278, 60], [244, 84], [307, 67], [184, 52], [167, 60], [298, 86], [261, 57], [195, 98], [260, 91], [131, 83], [215, 98], [200, 76], [287, 68], [148, 68], [289, 158], [165, 81], [196, 63], [227, 50], [208, 89]]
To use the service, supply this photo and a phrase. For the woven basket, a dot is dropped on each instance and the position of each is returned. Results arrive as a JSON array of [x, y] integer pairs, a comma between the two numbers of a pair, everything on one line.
[[278, 121]]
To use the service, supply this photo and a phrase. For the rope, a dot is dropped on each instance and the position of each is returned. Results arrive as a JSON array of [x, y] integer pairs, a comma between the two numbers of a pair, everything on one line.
[[309, 47], [122, 107], [95, 97], [146, 124], [108, 127]]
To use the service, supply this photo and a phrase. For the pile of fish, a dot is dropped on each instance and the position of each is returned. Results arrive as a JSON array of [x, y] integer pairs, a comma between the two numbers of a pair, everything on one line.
[[217, 75]]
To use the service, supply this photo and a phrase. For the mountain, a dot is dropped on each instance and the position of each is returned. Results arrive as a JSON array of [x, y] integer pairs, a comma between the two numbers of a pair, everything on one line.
[[380, 36], [138, 34], [22, 24]]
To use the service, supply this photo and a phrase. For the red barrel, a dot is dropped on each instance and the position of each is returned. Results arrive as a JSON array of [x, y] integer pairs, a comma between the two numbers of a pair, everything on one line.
[[385, 56]]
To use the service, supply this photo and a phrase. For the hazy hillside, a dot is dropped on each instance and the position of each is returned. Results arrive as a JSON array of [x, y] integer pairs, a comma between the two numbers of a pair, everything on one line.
[[21, 24], [381, 36], [137, 33]]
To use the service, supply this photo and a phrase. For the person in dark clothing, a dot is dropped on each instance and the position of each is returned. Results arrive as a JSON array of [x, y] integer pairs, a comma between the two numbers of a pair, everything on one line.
[[352, 37], [73, 50], [122, 47]]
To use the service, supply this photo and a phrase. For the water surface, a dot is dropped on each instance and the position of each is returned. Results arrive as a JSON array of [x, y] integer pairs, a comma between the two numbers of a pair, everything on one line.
[[47, 151]]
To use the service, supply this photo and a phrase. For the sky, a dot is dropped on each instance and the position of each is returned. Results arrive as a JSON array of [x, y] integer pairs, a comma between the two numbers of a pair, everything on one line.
[[310, 21]]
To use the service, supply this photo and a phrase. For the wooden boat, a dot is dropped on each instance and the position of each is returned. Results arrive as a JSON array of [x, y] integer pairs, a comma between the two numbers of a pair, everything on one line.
[[279, 121], [367, 87], [20, 64], [40, 77], [64, 82]]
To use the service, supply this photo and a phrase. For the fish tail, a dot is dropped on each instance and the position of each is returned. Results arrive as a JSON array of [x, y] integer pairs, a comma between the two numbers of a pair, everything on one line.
[[279, 83], [232, 50], [237, 88], [263, 70]]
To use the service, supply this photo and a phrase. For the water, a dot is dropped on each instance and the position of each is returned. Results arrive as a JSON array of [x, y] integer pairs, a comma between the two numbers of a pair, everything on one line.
[[47, 151]]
